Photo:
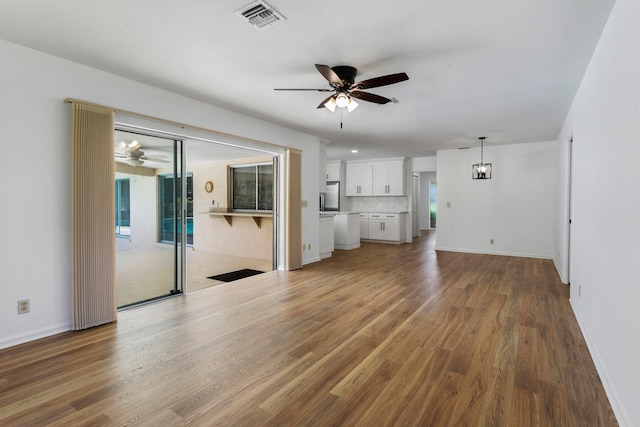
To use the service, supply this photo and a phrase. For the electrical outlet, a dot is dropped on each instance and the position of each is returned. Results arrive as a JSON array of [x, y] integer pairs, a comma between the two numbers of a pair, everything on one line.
[[309, 246], [23, 306]]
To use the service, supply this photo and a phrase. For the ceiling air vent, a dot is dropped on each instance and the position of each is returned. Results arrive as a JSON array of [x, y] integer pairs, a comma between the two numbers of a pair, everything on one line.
[[260, 15]]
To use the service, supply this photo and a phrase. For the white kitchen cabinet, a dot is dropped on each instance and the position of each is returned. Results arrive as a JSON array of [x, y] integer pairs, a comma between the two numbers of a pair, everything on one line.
[[382, 177], [388, 227], [333, 170], [364, 225], [347, 231], [359, 179], [388, 179], [326, 236]]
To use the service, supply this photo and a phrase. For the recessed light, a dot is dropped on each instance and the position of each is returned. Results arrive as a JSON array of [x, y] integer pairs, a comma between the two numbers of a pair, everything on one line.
[[354, 151]]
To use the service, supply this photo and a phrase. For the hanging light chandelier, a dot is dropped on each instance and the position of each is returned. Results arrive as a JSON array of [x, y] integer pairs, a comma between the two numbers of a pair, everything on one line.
[[481, 170]]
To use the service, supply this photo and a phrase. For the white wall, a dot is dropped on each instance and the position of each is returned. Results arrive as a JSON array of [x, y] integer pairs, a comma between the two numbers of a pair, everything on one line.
[[423, 164], [605, 258], [242, 238], [516, 208], [143, 206], [36, 174]]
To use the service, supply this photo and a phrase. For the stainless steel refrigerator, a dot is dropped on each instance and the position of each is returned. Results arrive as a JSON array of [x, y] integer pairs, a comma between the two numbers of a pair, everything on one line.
[[332, 196]]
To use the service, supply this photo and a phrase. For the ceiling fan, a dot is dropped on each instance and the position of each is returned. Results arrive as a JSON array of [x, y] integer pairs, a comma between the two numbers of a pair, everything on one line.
[[341, 78], [134, 156]]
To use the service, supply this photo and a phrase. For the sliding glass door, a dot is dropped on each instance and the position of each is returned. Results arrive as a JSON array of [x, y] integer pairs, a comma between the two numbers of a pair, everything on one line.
[[169, 196], [151, 232]]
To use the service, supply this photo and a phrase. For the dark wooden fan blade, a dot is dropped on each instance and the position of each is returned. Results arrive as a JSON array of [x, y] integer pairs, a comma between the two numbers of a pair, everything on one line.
[[365, 96], [323, 102], [314, 90], [381, 81], [330, 75]]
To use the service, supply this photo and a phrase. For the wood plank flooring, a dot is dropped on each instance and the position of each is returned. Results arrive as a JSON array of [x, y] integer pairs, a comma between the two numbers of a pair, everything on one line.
[[385, 335]]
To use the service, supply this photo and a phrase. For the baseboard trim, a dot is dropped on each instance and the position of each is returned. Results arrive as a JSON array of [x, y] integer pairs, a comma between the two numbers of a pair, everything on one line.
[[514, 254], [558, 270], [612, 395], [346, 247], [35, 335]]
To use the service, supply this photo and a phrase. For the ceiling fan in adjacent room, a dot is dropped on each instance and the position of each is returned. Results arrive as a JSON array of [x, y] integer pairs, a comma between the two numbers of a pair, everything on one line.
[[341, 79], [134, 156]]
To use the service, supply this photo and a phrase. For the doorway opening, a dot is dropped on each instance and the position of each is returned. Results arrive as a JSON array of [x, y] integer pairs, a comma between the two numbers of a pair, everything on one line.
[[177, 236]]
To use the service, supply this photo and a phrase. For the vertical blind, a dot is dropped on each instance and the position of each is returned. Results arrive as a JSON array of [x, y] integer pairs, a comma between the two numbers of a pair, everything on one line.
[[93, 217], [293, 194]]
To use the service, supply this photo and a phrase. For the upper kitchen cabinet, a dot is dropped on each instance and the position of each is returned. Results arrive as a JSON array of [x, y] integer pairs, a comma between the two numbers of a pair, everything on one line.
[[333, 170], [388, 178], [359, 179], [383, 177]]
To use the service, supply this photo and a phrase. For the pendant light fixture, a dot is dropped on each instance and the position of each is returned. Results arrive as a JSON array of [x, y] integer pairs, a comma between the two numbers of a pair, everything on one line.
[[481, 170]]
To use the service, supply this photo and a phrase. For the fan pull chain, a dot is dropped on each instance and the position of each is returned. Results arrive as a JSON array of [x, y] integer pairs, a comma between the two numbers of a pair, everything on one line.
[[341, 117]]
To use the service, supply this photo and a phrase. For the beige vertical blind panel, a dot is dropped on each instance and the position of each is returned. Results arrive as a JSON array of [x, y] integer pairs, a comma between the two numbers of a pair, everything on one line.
[[293, 209], [93, 217]]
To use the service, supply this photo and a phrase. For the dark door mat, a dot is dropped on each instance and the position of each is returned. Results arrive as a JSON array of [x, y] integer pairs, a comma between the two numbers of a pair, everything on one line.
[[235, 275]]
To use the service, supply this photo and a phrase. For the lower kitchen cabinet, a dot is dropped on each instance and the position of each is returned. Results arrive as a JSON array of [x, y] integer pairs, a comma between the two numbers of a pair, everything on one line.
[[326, 236], [364, 225], [347, 231], [387, 227]]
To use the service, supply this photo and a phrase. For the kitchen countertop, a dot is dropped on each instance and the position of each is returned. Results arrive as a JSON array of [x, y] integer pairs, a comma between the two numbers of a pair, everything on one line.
[[374, 212], [334, 213]]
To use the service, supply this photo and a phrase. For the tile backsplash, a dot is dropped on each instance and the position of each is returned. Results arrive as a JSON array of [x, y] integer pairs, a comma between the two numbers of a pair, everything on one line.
[[377, 204]]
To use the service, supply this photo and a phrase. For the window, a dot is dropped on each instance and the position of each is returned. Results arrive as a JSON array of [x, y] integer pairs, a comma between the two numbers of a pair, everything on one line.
[[169, 190], [123, 208], [252, 187], [433, 196]]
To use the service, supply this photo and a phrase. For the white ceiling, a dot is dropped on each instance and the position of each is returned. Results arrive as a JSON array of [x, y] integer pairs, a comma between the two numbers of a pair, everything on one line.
[[504, 69]]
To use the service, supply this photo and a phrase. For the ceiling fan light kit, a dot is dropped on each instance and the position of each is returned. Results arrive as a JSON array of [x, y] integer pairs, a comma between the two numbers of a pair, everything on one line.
[[341, 79], [352, 105], [330, 104], [132, 145], [134, 156], [481, 170], [342, 100]]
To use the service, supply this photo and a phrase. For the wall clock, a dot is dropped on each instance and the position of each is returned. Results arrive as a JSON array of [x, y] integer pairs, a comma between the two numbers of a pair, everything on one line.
[[208, 186]]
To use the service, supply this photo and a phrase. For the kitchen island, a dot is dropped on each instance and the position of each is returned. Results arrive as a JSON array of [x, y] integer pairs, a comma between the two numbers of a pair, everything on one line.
[[346, 230]]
